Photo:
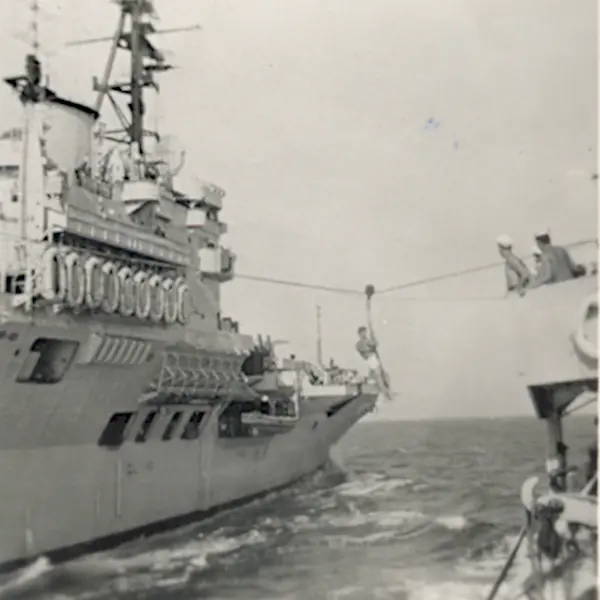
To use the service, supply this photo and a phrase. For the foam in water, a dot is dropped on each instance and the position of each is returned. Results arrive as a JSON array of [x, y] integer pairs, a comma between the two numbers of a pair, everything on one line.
[[462, 554], [192, 556], [26, 577], [373, 486], [395, 519], [454, 523]]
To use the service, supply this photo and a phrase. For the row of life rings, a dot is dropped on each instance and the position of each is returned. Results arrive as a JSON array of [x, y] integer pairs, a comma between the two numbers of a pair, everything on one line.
[[89, 281]]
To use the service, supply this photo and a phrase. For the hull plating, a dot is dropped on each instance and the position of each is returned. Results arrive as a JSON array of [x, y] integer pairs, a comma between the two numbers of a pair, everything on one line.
[[60, 489]]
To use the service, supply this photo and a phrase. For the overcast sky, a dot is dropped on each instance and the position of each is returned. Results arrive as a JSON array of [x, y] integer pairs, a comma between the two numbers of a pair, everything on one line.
[[373, 141]]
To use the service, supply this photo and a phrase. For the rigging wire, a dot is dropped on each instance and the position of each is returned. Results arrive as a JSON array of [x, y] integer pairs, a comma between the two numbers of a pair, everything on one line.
[[408, 284], [299, 284], [442, 277], [590, 399], [449, 298], [469, 271]]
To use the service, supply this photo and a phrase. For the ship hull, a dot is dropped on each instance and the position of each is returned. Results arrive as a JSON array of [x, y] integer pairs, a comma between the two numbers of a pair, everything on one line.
[[63, 501]]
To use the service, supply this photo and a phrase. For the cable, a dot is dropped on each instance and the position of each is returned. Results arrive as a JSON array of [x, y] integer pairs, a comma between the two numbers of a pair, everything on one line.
[[451, 275], [469, 271], [450, 298], [409, 284], [299, 284]]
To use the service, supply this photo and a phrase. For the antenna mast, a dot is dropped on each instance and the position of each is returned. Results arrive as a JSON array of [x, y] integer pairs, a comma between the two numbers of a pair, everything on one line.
[[319, 338], [133, 28], [136, 106], [136, 42]]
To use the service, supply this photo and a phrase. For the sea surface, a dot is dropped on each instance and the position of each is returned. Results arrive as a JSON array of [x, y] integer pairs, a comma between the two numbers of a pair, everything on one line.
[[405, 510]]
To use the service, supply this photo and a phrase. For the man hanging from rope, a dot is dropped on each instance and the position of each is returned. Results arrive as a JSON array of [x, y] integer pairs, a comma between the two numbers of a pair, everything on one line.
[[366, 346]]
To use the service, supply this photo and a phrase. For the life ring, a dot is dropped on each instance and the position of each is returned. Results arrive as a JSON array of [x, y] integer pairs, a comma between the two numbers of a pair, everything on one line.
[[142, 295], [582, 343], [157, 298], [53, 275], [75, 280], [94, 286], [182, 293], [575, 508], [170, 296], [112, 288], [127, 299]]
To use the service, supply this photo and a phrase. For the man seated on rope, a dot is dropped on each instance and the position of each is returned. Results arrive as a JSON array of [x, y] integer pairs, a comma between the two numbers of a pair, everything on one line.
[[367, 348]]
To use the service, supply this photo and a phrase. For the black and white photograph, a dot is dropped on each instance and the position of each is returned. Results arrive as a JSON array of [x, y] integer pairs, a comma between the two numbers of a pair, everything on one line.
[[298, 299]]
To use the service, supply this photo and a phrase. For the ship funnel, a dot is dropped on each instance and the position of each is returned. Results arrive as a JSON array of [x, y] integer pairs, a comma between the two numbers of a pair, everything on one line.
[[69, 134]]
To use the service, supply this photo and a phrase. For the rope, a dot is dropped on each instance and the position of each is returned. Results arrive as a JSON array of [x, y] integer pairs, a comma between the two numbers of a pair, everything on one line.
[[385, 382], [582, 405], [450, 298], [353, 292], [408, 284], [299, 284], [442, 277], [589, 485], [511, 558], [469, 271]]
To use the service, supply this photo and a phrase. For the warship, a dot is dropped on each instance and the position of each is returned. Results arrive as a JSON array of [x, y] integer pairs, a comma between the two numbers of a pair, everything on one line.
[[128, 403], [556, 348]]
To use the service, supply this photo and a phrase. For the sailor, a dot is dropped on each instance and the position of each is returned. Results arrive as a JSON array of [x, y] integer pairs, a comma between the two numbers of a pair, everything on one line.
[[556, 264], [115, 171], [366, 346], [517, 273], [333, 371]]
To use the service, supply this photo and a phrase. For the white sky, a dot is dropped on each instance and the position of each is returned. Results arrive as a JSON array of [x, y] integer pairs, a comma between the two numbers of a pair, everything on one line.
[[313, 114]]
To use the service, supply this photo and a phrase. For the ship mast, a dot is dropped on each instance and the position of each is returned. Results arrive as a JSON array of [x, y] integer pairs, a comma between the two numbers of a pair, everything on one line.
[[137, 106], [132, 34]]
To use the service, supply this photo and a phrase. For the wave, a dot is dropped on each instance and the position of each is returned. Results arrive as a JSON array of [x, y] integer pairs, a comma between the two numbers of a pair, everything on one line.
[[374, 485], [396, 519], [129, 569], [27, 576]]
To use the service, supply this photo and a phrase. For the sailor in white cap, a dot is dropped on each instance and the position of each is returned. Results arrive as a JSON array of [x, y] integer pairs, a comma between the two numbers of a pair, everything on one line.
[[555, 264], [517, 273], [504, 241], [542, 233]]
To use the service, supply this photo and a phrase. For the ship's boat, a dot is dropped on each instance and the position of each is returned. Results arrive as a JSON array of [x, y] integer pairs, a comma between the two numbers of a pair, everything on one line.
[[557, 353], [128, 402]]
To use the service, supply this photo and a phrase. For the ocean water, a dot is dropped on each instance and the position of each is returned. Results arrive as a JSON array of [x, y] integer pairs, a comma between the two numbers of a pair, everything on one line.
[[414, 510]]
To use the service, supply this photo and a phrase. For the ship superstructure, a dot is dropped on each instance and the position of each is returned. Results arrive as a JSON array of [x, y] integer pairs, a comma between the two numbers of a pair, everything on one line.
[[557, 353], [128, 402]]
